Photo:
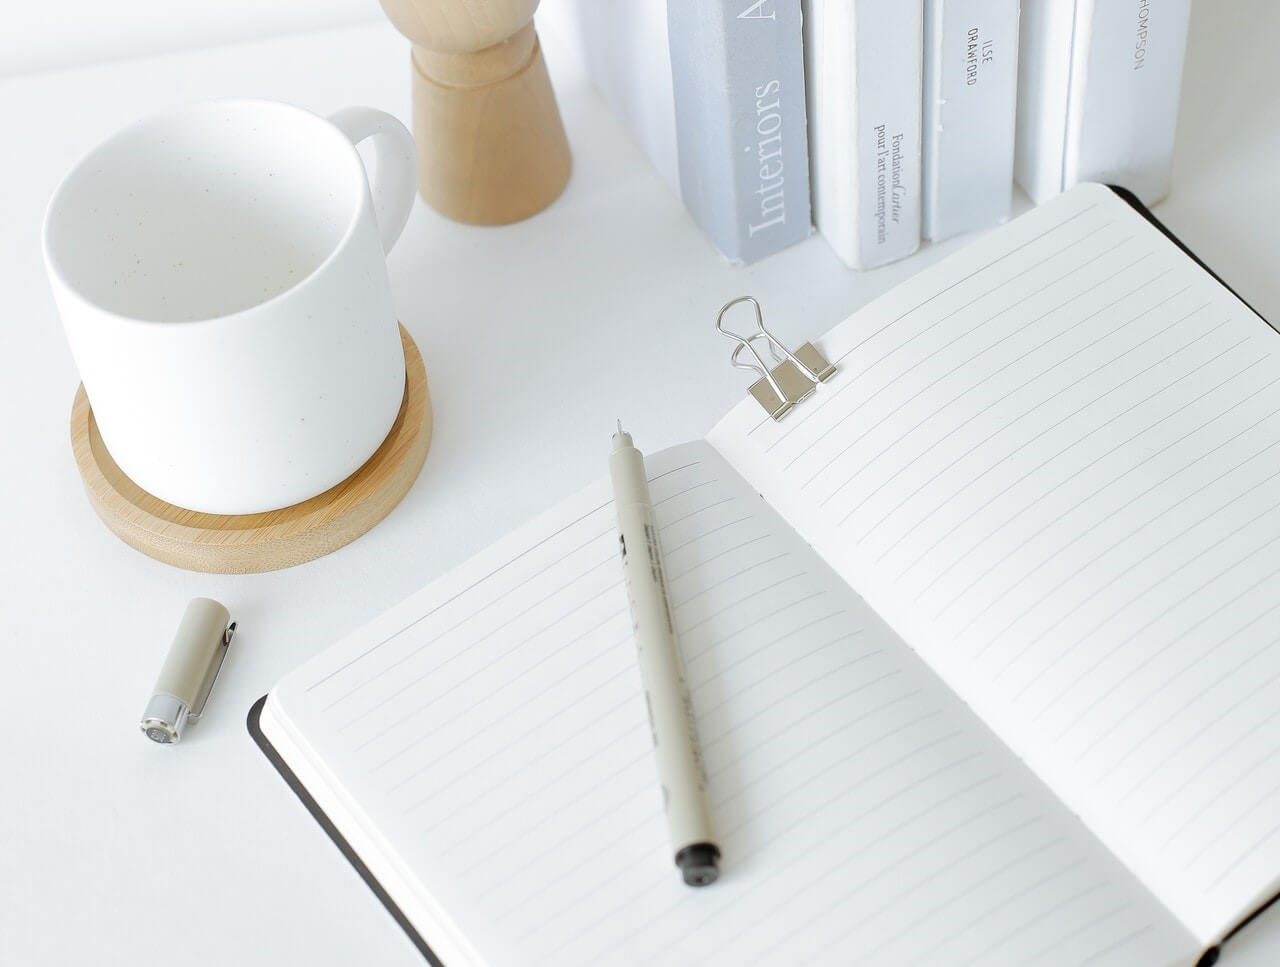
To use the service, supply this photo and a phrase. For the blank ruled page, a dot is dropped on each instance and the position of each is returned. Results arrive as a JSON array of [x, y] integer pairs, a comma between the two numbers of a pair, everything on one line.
[[486, 742], [1053, 464]]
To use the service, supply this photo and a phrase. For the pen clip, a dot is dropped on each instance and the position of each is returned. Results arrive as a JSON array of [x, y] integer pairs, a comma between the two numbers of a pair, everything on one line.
[[214, 667]]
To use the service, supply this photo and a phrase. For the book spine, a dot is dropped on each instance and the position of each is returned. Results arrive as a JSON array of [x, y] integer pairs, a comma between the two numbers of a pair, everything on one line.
[[1098, 87], [864, 67], [970, 92], [624, 48], [737, 75], [1126, 78], [1044, 76]]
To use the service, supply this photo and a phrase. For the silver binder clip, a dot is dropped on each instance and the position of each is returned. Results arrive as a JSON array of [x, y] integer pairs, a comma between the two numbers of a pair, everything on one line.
[[791, 378]]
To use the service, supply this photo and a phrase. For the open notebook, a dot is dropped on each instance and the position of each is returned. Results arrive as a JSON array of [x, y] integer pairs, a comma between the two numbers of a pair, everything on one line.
[[981, 639]]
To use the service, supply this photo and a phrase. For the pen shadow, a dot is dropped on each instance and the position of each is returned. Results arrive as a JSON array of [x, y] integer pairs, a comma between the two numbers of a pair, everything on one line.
[[730, 802]]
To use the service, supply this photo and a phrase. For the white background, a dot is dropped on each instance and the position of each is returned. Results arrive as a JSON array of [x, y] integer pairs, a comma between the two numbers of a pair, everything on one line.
[[53, 34], [536, 336]]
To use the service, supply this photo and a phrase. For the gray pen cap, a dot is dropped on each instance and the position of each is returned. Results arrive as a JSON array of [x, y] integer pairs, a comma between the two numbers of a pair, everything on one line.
[[189, 670]]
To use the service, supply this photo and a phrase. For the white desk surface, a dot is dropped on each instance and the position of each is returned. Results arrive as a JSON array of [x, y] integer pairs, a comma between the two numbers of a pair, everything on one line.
[[536, 336]]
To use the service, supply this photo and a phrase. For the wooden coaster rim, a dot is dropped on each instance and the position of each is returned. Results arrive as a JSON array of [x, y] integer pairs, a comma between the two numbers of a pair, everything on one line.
[[267, 541]]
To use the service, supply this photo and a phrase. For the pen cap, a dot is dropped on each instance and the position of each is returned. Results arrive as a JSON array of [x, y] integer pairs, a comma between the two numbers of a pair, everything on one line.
[[187, 667], [189, 670]]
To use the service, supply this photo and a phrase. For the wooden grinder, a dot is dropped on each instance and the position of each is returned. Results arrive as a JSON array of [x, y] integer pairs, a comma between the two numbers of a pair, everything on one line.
[[491, 145]]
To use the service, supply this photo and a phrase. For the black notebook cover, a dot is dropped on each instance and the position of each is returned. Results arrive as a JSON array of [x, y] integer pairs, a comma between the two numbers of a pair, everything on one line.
[[255, 729], [1209, 957]]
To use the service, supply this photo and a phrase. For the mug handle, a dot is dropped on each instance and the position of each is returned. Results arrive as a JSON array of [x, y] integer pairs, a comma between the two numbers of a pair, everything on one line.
[[395, 182]]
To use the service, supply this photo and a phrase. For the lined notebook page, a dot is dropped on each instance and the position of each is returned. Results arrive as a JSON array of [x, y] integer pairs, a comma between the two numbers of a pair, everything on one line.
[[491, 734], [1053, 464]]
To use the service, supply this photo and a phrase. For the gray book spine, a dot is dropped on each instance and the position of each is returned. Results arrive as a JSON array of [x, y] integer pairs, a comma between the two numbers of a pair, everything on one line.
[[737, 69]]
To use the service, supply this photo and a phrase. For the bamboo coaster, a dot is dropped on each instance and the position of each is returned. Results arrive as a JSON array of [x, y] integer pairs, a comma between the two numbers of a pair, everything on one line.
[[248, 543]]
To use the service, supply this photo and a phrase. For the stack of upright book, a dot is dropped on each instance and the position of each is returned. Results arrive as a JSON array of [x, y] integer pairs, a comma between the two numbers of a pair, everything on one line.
[[1098, 94], [883, 121], [714, 94]]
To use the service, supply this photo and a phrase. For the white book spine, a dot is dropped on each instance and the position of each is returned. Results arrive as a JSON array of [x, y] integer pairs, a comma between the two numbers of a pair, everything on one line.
[[863, 76], [970, 92], [1098, 94], [624, 48]]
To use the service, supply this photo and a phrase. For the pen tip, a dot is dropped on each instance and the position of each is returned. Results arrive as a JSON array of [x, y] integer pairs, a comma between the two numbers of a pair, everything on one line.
[[621, 440]]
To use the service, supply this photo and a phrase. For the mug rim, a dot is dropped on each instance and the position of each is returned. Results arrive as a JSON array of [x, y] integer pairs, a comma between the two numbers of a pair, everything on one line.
[[354, 165]]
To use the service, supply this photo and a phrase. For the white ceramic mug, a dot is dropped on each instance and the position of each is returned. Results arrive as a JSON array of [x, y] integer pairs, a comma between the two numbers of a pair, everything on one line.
[[220, 270]]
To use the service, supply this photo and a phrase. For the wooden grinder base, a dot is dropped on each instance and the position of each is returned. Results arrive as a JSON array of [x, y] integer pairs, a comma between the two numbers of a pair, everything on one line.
[[246, 543]]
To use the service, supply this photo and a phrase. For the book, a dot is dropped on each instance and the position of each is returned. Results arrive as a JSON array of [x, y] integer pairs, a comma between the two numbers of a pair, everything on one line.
[[714, 95], [1098, 87], [970, 99], [863, 80], [980, 641]]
